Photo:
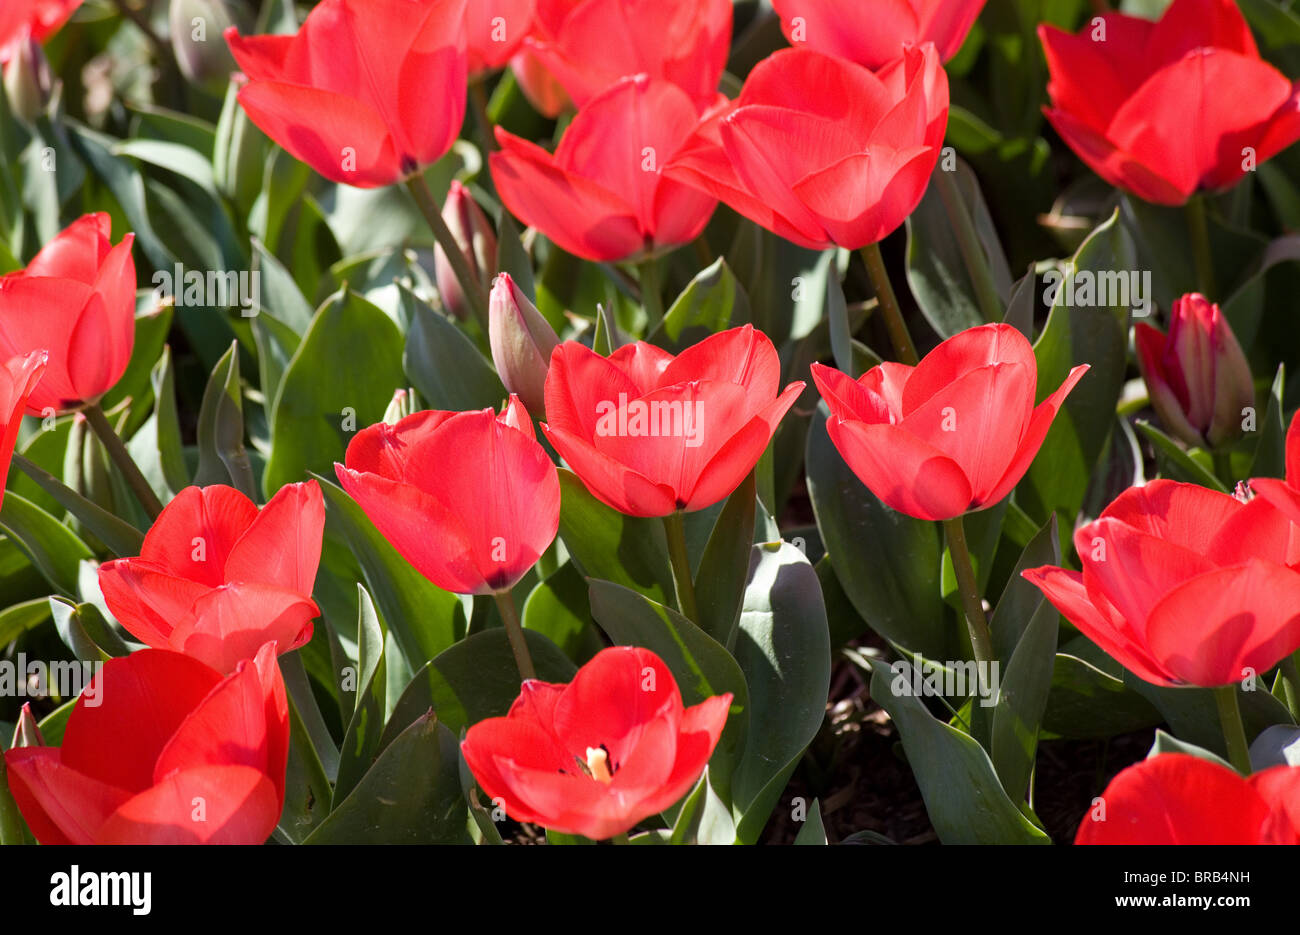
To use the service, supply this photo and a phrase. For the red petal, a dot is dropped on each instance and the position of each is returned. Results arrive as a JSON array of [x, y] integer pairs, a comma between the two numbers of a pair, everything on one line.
[[1039, 422], [283, 543], [231, 622], [196, 532], [909, 475], [205, 805], [610, 482], [60, 805], [870, 36]]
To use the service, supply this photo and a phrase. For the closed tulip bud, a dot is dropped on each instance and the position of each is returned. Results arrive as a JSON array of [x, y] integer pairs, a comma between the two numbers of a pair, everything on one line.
[[469, 225], [1197, 375], [27, 80], [201, 51], [27, 733], [522, 341]]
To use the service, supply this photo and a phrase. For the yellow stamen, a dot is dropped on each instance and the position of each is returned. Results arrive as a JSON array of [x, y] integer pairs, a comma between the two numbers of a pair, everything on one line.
[[598, 764]]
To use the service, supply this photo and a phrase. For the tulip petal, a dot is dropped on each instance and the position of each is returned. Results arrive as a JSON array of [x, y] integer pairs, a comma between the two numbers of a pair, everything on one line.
[[203, 805], [147, 599], [1095, 71], [909, 475], [743, 355], [282, 545], [60, 805], [231, 622], [1185, 514], [1116, 166], [1280, 494], [1188, 25], [739, 454], [641, 363], [580, 383], [801, 79], [195, 533], [76, 252], [141, 700], [1210, 630], [611, 483], [35, 313], [966, 351], [384, 449]]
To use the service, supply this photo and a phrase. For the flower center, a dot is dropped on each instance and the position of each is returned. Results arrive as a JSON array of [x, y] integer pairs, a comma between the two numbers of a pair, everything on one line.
[[598, 764]]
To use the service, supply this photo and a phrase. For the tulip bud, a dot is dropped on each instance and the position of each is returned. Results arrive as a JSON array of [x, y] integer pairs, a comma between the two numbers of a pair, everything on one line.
[[27, 733], [197, 41], [1197, 375], [522, 341], [27, 80], [478, 243]]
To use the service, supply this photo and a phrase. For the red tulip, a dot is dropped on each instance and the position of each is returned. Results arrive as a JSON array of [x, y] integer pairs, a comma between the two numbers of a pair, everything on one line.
[[161, 749], [1175, 798], [1184, 585], [650, 433], [18, 377], [1165, 109], [469, 498], [494, 31], [1197, 375], [874, 34], [37, 19], [77, 299], [821, 151], [367, 93], [590, 45], [478, 244], [1284, 495], [601, 195], [955, 433], [597, 755], [522, 341], [216, 578]]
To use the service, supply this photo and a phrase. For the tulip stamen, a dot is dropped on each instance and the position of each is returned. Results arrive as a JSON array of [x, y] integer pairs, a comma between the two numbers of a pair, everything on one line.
[[598, 765]]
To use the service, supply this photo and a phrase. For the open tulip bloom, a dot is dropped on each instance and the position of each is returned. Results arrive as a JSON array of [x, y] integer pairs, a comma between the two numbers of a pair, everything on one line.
[[955, 433], [600, 754], [162, 749], [1167, 109], [873, 34]]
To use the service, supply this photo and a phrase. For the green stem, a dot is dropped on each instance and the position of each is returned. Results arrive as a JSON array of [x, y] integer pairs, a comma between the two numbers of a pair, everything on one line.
[[904, 349], [980, 638], [651, 291], [972, 251], [100, 425], [469, 283], [1223, 468], [675, 527], [1199, 229], [515, 632], [1234, 734]]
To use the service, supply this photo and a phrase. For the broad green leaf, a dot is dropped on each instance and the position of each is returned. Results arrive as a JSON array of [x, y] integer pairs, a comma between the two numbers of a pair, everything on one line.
[[557, 608], [1176, 462], [1270, 453], [444, 365], [704, 308], [52, 547], [222, 456], [122, 538], [19, 618], [1165, 743], [1022, 698], [813, 831], [704, 818], [361, 741], [724, 566]]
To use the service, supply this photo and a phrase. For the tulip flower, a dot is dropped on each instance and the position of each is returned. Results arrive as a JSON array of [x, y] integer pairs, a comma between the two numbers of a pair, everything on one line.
[[37, 19], [590, 45], [1183, 585], [601, 195], [955, 433], [468, 498], [75, 299], [1166, 109], [162, 749], [18, 378], [522, 342], [874, 34], [1284, 495], [600, 754], [1197, 375], [471, 230], [217, 578], [494, 31], [1174, 798], [821, 151], [650, 433], [367, 92]]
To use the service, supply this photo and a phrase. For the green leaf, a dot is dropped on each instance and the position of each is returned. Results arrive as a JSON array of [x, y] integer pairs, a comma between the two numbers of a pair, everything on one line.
[[1270, 454], [1020, 599], [557, 608], [17, 619], [122, 538], [71, 622], [963, 797], [1022, 699], [1175, 462], [157, 447], [52, 547], [783, 648], [424, 618], [887, 563], [222, 456], [704, 818], [340, 380], [361, 741], [475, 679], [512, 258], [1165, 743], [1089, 703], [724, 566], [813, 831], [410, 796], [606, 544], [704, 308], [444, 365]]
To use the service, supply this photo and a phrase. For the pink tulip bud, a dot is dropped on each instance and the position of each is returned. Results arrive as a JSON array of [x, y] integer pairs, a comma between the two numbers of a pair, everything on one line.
[[477, 242], [27, 733], [1197, 375], [522, 341], [27, 80]]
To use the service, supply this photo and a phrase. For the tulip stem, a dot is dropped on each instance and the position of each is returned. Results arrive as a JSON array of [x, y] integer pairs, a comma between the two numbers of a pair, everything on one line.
[[675, 527], [904, 349], [515, 632], [972, 251], [980, 639], [122, 458], [651, 291], [469, 283], [1234, 734], [1199, 229]]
